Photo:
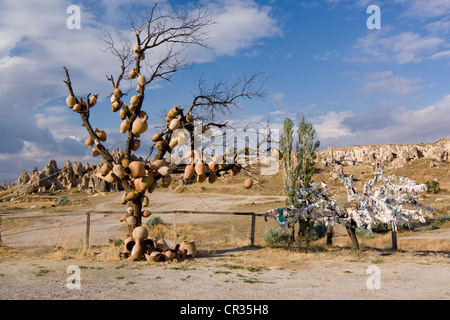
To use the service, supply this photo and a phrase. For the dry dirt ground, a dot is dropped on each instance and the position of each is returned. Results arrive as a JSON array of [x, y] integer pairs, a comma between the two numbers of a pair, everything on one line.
[[37, 253]]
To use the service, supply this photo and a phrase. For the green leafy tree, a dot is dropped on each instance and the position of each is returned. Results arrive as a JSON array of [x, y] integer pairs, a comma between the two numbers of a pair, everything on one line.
[[299, 164]]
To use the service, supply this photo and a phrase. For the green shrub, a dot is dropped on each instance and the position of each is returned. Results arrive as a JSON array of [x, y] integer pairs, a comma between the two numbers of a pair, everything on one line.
[[315, 231], [62, 201], [380, 227], [433, 186], [364, 233], [154, 221], [276, 236]]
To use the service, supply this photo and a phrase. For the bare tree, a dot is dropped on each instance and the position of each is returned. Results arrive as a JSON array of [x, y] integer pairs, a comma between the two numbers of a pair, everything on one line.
[[159, 52]]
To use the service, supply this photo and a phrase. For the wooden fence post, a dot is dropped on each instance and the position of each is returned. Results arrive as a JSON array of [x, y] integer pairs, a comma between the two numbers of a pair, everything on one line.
[[252, 234], [88, 227], [1, 231]]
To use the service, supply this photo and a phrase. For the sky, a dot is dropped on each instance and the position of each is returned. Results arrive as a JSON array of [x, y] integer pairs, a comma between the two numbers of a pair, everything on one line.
[[318, 59]]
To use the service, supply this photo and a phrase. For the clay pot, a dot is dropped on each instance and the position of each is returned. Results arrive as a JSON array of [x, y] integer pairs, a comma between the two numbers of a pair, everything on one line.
[[147, 181], [101, 135], [161, 244], [160, 145], [189, 117], [130, 211], [156, 137], [248, 183], [166, 181], [165, 171], [213, 166], [110, 177], [116, 106], [145, 201], [173, 143], [105, 169], [117, 92], [174, 124], [135, 99], [137, 251], [155, 165], [77, 107], [139, 126], [125, 126], [235, 171], [137, 169], [155, 256], [146, 213], [140, 233], [190, 248], [136, 49], [92, 101], [141, 80], [118, 171], [173, 112], [170, 254], [122, 114], [148, 245], [212, 177], [71, 101], [201, 178], [189, 171], [122, 218], [135, 145], [132, 74], [140, 89], [132, 107], [200, 168], [95, 152], [89, 142], [129, 244], [131, 195], [131, 221]]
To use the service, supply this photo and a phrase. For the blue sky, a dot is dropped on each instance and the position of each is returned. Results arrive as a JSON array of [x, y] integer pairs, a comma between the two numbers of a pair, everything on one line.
[[356, 85]]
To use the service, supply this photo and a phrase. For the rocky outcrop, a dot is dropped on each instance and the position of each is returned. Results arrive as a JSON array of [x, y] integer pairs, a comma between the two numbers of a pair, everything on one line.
[[396, 155], [71, 176]]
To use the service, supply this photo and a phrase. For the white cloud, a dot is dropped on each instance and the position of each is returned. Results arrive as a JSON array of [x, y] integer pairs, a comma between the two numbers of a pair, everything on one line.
[[345, 128], [426, 8], [240, 24], [385, 81], [406, 47]]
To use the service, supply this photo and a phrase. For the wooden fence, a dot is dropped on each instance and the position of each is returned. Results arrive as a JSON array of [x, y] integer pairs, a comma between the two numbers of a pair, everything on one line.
[[88, 220]]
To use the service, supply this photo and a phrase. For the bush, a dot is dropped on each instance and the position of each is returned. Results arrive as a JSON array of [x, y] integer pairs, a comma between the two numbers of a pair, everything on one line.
[[63, 200], [433, 186], [154, 221], [276, 236], [316, 231], [364, 233], [380, 227]]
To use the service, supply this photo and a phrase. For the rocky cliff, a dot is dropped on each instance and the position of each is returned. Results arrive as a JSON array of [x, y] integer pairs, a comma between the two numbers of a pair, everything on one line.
[[71, 176], [394, 155]]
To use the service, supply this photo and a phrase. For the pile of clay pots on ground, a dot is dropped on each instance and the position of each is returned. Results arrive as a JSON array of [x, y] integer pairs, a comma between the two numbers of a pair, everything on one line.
[[140, 247]]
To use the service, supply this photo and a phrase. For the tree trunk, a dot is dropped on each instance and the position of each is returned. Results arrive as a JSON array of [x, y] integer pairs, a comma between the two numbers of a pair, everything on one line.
[[351, 230]]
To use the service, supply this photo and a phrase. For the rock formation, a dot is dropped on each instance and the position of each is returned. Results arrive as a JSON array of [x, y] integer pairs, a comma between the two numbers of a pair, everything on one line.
[[395, 155], [70, 176]]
